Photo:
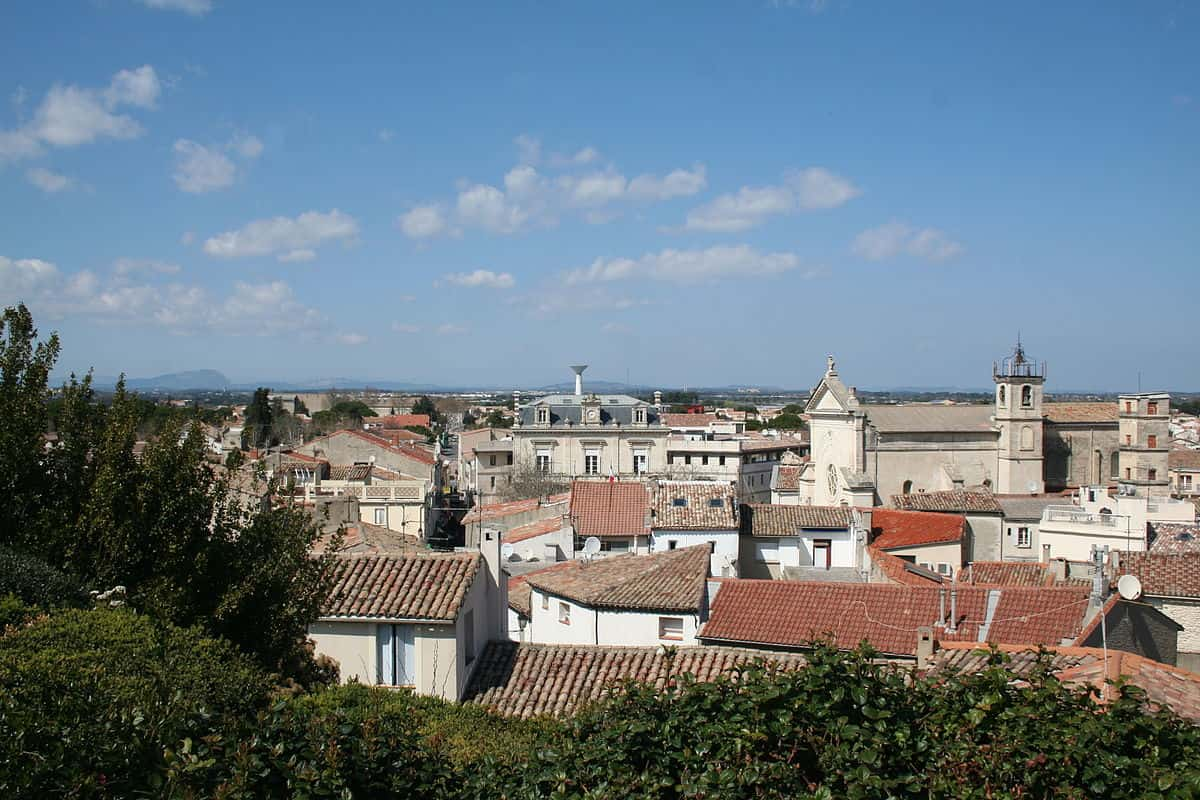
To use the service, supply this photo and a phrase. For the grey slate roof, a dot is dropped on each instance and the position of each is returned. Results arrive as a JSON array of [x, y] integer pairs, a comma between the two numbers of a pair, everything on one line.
[[929, 418], [614, 408], [1027, 507]]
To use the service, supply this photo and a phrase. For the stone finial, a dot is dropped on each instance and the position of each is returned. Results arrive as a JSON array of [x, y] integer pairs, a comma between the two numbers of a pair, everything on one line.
[[832, 368]]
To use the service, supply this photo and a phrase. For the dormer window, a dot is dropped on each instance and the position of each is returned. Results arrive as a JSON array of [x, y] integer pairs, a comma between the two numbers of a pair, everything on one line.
[[543, 415], [715, 502], [639, 414], [679, 502]]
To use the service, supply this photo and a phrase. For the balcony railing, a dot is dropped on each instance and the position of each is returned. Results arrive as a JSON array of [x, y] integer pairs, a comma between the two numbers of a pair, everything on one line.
[[1078, 517]]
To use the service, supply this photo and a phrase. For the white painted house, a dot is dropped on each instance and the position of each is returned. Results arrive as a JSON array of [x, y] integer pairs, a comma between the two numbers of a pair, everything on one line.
[[797, 542], [690, 513], [620, 600], [414, 620]]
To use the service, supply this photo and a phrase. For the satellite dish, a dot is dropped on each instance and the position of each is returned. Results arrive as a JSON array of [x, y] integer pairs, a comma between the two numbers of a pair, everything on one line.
[[507, 551], [591, 546], [1129, 587]]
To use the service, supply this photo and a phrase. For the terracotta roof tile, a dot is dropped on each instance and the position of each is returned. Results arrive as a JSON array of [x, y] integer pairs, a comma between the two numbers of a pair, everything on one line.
[[1174, 537], [428, 586], [787, 478], [689, 420], [673, 580], [349, 472], [1007, 573], [415, 452], [397, 421], [693, 505], [528, 680], [1066, 413], [609, 508], [792, 614], [534, 529], [764, 519], [897, 570], [1183, 459], [1163, 575], [955, 500], [498, 511], [891, 528]]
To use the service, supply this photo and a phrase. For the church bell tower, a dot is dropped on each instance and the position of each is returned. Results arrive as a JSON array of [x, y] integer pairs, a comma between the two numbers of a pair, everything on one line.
[[1018, 417]]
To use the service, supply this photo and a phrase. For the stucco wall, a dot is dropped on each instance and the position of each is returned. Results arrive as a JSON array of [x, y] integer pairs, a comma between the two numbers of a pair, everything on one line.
[[351, 644], [345, 448], [983, 533], [1187, 614], [841, 546], [920, 459], [726, 545], [568, 448], [1070, 454], [545, 628], [933, 554], [640, 629]]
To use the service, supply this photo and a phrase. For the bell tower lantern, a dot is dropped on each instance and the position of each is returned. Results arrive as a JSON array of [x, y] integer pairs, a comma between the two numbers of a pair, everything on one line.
[[1018, 416]]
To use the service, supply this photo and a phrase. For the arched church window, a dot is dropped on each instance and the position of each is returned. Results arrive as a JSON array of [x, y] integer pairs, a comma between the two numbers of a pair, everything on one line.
[[1027, 438], [908, 487], [1003, 396], [1026, 396]]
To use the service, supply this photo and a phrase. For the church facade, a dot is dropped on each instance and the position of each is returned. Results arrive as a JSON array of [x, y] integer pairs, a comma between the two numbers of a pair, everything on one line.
[[863, 454]]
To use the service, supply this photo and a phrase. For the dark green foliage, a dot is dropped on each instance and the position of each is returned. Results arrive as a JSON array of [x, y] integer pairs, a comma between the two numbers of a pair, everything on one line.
[[795, 409], [34, 582], [496, 419], [420, 429], [14, 611], [787, 422], [256, 424], [424, 405], [89, 698]]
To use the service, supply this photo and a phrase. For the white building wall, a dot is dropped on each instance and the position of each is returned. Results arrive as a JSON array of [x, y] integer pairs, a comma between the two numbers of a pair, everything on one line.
[[544, 627], [841, 549], [351, 644], [640, 629], [1187, 613], [726, 546], [930, 555]]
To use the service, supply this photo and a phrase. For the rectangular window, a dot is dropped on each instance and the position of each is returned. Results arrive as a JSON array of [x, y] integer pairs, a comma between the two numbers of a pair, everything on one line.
[[716, 502], [564, 614], [591, 464], [543, 462], [670, 628], [508, 459], [381, 516], [396, 659], [687, 459], [1128, 474], [1023, 537], [469, 636], [641, 461], [1128, 439], [721, 461], [767, 551], [1128, 407], [672, 544], [1152, 441], [943, 568], [1152, 407], [1185, 481], [493, 481], [704, 460], [1153, 474], [617, 546]]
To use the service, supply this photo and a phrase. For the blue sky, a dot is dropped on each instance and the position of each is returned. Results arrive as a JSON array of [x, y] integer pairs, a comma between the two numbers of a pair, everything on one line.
[[684, 193]]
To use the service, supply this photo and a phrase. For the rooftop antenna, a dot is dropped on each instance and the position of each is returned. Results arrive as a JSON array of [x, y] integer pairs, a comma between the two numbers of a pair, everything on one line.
[[578, 370]]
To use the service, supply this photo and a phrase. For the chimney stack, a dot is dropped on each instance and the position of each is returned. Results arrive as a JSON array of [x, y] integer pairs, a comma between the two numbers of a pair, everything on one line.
[[953, 626], [578, 370], [658, 399]]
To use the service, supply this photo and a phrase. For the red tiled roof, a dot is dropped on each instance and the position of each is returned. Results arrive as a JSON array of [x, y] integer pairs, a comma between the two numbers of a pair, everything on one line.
[[789, 478], [792, 614], [349, 472], [529, 680], [498, 511], [531, 530], [1183, 459], [1175, 537], [897, 570], [765, 519], [891, 528], [398, 436], [366, 537], [428, 586], [706, 505], [1163, 575], [1007, 573], [689, 420], [1165, 686], [673, 580], [955, 500], [1065, 413], [609, 508], [398, 421]]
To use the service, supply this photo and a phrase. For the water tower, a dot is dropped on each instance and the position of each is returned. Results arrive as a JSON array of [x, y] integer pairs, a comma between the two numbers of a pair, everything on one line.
[[578, 370]]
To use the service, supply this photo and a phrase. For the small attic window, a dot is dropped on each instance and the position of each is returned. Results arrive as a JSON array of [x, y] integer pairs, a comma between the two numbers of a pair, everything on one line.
[[679, 502], [715, 502]]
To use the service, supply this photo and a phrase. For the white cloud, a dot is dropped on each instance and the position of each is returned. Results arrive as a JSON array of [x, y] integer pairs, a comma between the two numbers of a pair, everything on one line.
[[196, 8], [678, 183], [595, 189], [285, 237], [893, 239], [48, 181], [687, 266], [450, 329], [480, 278], [556, 301], [405, 327], [809, 189], [246, 146], [124, 267], [351, 339], [23, 278], [296, 256], [487, 207], [69, 116], [200, 169], [423, 222]]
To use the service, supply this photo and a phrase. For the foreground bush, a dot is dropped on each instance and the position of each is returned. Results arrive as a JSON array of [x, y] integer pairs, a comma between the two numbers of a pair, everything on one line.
[[36, 583], [88, 699]]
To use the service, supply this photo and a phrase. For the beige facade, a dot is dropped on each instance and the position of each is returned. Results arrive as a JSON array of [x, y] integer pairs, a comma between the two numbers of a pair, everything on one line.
[[1144, 440]]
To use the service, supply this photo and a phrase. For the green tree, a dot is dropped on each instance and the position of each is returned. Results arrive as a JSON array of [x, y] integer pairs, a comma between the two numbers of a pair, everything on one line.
[[424, 405], [256, 424], [25, 365], [496, 419], [786, 422]]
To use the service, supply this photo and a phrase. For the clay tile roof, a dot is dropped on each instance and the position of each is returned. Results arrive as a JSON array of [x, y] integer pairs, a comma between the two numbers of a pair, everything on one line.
[[693, 505], [673, 580], [1174, 537], [1165, 686], [790, 614], [609, 508], [757, 443], [763, 519], [529, 680], [689, 420], [1183, 459], [427, 586], [534, 529], [891, 529], [519, 595], [897, 570], [398, 421], [1064, 413], [787, 478], [349, 472], [497, 512], [1164, 575], [955, 500], [1007, 573]]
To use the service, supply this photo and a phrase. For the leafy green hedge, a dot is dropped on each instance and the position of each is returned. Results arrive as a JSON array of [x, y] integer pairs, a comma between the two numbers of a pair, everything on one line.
[[35, 582]]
